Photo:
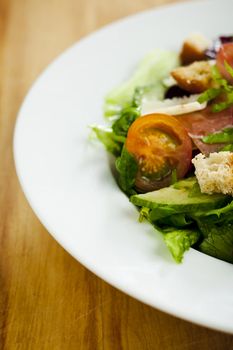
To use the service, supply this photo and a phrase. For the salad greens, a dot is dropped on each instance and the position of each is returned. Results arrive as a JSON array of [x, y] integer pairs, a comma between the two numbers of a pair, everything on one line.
[[127, 117], [218, 241], [127, 168], [151, 71], [224, 136], [179, 241], [227, 148], [112, 142], [223, 89], [216, 216], [185, 216], [123, 104]]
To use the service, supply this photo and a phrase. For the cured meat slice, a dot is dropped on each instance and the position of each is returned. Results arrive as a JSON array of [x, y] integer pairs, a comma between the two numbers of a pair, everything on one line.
[[205, 122]]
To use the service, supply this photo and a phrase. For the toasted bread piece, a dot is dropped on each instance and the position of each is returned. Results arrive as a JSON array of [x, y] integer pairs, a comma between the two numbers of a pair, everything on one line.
[[194, 78], [215, 173], [194, 48]]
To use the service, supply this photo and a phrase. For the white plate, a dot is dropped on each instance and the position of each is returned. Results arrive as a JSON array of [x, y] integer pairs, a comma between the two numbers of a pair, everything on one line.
[[68, 182]]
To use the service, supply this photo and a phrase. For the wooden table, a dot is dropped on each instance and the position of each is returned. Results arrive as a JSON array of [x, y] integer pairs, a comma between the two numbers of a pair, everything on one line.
[[47, 299]]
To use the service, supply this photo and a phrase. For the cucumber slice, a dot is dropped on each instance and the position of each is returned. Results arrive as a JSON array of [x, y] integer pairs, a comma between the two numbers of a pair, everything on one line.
[[183, 196]]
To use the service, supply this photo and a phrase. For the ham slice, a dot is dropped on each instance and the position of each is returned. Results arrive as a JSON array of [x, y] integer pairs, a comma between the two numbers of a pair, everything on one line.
[[205, 122]]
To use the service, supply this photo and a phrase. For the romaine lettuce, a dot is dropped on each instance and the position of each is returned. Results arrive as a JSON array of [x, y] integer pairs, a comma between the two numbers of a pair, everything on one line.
[[218, 241], [179, 241], [191, 224], [151, 71]]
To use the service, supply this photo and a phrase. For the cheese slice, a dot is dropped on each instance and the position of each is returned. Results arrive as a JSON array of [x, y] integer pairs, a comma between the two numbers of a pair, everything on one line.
[[173, 106]]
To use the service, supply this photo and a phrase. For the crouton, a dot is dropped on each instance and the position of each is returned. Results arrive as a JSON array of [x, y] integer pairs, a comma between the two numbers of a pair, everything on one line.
[[194, 48], [215, 173], [194, 78]]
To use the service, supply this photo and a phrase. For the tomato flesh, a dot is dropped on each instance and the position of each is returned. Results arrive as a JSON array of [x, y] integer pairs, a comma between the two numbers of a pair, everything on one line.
[[225, 53], [160, 144]]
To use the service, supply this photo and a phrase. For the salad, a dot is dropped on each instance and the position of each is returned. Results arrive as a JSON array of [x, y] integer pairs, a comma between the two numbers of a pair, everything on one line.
[[170, 129]]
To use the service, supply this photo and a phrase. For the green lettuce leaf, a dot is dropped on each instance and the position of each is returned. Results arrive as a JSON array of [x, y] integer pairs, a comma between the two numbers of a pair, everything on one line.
[[127, 168], [224, 136], [222, 88], [227, 148], [148, 91], [223, 214], [218, 107], [151, 71], [181, 216], [209, 95], [218, 241], [179, 241], [176, 220], [164, 216], [127, 117], [112, 142]]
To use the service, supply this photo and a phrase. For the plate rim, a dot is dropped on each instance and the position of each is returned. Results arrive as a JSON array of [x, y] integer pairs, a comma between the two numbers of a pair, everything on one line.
[[43, 220]]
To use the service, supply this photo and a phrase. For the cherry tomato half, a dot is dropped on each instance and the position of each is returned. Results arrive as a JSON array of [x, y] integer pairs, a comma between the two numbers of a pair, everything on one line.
[[160, 144], [225, 53]]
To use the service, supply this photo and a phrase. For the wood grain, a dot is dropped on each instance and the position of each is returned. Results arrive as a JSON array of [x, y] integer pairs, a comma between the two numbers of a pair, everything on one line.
[[47, 299]]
